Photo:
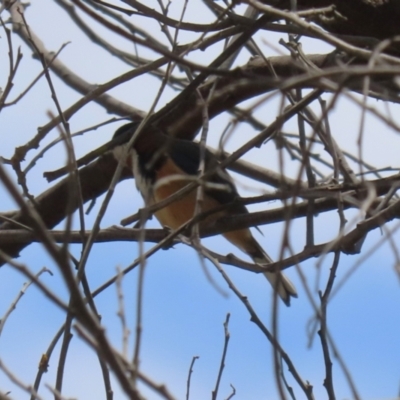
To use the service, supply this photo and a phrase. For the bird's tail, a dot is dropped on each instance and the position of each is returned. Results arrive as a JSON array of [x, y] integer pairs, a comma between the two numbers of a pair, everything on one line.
[[280, 282]]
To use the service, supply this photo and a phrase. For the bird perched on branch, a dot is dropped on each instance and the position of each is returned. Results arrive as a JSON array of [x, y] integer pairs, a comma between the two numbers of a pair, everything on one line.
[[162, 165]]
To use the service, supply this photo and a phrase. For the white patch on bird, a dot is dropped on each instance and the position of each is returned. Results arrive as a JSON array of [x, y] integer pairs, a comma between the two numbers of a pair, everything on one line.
[[142, 184]]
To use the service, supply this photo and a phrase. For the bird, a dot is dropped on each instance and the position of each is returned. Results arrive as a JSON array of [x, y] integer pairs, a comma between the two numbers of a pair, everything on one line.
[[162, 165]]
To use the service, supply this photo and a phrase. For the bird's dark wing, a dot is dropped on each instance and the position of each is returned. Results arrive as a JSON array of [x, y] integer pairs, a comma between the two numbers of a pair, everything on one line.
[[186, 155]]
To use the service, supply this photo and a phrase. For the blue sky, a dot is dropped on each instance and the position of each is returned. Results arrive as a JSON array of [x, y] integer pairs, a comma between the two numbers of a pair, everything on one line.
[[183, 312]]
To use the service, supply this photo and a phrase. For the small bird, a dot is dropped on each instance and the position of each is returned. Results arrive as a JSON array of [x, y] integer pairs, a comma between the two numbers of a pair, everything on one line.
[[162, 165]]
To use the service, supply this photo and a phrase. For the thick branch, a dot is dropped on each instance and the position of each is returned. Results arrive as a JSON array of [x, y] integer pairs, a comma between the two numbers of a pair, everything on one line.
[[52, 204], [369, 18]]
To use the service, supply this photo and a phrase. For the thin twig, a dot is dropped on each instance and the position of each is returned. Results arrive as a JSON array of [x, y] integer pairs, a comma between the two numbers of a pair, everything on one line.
[[13, 305], [190, 376], [214, 393]]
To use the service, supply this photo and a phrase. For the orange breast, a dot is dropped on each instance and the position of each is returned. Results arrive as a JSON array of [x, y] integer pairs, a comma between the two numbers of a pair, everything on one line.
[[182, 210]]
